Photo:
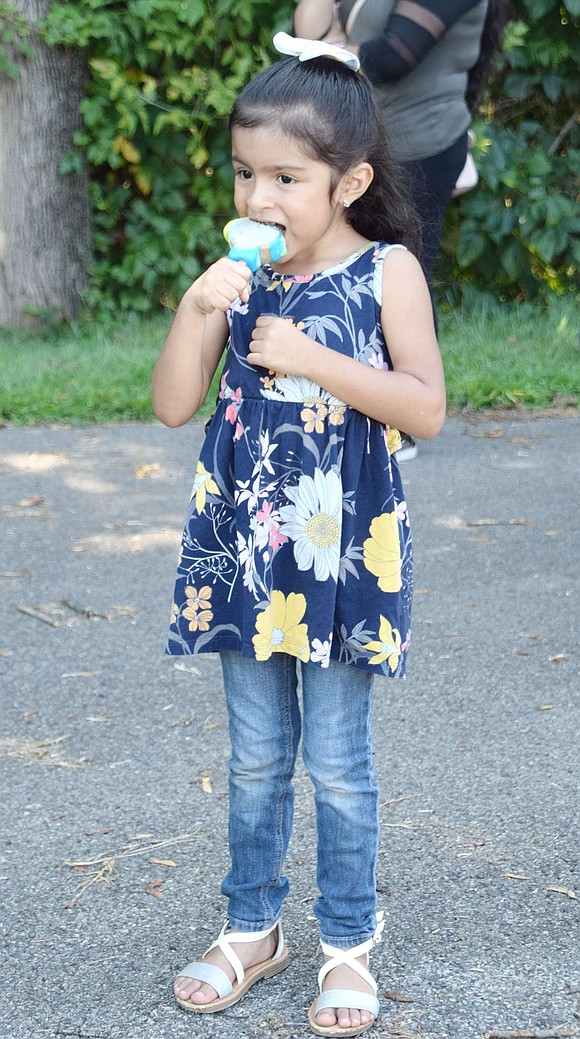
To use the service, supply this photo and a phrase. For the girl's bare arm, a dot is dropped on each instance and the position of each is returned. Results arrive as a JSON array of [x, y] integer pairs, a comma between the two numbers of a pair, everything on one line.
[[412, 396], [187, 363]]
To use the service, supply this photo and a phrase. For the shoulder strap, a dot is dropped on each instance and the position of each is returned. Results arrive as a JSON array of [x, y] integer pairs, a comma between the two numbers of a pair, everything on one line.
[[378, 273]]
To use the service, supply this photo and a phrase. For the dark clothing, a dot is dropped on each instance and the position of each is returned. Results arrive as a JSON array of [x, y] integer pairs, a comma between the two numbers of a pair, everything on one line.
[[418, 55], [431, 181]]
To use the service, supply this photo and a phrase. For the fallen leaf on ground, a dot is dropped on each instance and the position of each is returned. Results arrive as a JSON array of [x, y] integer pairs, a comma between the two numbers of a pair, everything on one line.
[[516, 876], [162, 862], [546, 707], [561, 891], [29, 503], [146, 470], [397, 997], [97, 833], [206, 785], [153, 889], [558, 657]]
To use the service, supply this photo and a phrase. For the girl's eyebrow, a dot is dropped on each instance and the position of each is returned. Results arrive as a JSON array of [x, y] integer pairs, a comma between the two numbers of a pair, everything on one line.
[[272, 169]]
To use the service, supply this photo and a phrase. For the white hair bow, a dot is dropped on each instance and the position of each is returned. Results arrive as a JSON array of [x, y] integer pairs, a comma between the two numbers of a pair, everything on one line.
[[305, 50]]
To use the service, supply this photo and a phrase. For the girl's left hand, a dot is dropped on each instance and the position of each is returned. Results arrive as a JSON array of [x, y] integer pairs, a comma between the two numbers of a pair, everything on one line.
[[279, 346]]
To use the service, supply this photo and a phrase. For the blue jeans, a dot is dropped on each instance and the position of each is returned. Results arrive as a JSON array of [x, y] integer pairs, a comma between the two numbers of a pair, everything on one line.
[[265, 728]]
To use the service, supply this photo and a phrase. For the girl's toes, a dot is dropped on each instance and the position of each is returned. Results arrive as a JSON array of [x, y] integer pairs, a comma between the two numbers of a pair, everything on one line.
[[326, 1018], [347, 1018], [204, 994]]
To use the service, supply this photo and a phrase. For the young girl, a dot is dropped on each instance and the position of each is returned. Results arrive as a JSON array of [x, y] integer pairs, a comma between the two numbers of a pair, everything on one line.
[[297, 543]]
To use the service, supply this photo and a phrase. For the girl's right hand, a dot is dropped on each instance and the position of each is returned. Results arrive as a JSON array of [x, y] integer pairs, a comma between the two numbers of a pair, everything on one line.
[[219, 286]]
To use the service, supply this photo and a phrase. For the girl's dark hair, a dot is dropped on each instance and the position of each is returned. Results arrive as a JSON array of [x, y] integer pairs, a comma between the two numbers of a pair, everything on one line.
[[494, 25], [331, 113]]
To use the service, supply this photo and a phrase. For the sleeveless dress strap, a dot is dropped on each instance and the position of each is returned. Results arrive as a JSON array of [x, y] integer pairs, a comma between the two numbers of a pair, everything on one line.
[[378, 275]]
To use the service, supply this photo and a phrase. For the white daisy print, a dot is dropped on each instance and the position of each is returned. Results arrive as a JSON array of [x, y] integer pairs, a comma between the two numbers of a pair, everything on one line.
[[313, 522]]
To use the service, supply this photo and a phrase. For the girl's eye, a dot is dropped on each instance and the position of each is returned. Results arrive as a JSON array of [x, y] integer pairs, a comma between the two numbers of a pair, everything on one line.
[[285, 179], [243, 174]]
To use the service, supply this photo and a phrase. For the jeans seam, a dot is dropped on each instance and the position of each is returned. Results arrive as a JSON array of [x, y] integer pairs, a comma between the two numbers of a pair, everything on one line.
[[285, 776]]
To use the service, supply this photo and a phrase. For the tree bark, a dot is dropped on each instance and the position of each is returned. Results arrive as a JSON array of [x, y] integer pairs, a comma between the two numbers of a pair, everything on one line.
[[45, 246]]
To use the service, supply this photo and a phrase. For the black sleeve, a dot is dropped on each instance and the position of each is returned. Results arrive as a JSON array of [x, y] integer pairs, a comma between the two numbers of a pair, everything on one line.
[[412, 30]]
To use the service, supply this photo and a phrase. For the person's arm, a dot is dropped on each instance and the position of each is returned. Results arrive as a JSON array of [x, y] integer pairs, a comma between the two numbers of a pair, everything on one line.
[[187, 363], [412, 396], [411, 32], [313, 19]]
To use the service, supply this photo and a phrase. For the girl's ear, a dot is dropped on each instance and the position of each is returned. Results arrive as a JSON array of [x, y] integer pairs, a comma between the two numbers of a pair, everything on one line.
[[354, 183]]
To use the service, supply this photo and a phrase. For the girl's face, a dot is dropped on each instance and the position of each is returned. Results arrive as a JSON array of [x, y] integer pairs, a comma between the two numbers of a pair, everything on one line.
[[277, 183]]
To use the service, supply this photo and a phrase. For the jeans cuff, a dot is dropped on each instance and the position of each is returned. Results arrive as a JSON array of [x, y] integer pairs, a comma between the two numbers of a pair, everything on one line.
[[249, 926], [345, 943]]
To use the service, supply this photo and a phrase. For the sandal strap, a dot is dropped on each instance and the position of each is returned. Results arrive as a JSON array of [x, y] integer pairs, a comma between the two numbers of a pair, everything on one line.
[[347, 957], [226, 938], [214, 976], [348, 998]]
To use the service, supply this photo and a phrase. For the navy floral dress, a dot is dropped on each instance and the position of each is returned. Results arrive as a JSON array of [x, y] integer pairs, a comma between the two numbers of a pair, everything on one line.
[[297, 538]]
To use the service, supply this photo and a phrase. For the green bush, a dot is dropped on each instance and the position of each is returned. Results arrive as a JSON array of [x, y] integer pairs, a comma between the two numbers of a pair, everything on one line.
[[517, 233], [163, 77]]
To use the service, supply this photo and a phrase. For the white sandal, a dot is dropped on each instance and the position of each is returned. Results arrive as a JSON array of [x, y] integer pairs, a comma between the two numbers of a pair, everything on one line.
[[348, 998], [229, 993]]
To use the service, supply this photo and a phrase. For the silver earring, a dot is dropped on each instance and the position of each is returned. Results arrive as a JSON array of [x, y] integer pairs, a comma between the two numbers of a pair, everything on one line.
[[345, 203]]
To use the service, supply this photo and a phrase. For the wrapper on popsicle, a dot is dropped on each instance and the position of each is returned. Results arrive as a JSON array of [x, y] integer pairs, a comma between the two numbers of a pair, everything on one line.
[[254, 243]]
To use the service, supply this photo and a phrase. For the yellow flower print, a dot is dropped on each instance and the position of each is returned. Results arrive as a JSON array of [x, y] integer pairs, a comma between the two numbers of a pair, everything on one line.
[[388, 647], [336, 414], [174, 613], [279, 630], [203, 483], [393, 439], [198, 611], [314, 419], [382, 553]]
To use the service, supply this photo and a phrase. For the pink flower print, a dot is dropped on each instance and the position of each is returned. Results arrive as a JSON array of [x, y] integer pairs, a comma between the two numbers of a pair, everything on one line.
[[270, 527], [235, 396], [263, 514], [276, 539]]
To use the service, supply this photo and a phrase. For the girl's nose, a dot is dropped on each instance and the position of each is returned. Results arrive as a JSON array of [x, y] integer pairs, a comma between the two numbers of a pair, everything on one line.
[[260, 198]]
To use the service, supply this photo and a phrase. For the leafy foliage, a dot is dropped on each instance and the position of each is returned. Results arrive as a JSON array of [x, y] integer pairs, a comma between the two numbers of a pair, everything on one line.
[[164, 75], [517, 233], [14, 39]]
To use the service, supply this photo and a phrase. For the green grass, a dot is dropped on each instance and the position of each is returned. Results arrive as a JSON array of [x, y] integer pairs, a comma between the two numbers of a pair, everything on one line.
[[493, 357], [512, 355]]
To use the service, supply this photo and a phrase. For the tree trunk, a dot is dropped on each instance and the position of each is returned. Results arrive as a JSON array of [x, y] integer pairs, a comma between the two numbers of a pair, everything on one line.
[[44, 217]]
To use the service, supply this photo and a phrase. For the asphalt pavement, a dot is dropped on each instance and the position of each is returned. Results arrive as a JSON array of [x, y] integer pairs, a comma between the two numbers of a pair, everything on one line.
[[113, 760]]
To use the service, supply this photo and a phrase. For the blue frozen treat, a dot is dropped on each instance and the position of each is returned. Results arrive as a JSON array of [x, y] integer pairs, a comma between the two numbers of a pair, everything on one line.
[[254, 243]]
